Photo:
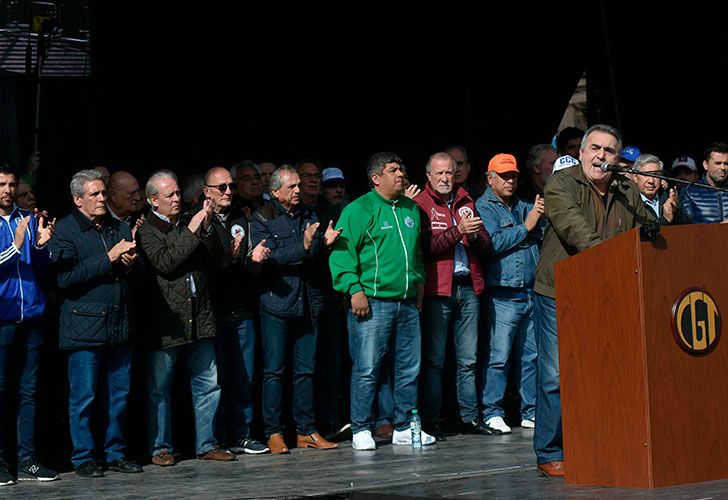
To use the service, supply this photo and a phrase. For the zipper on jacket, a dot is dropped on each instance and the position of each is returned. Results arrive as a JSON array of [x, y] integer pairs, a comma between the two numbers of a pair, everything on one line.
[[376, 261], [404, 247], [17, 267]]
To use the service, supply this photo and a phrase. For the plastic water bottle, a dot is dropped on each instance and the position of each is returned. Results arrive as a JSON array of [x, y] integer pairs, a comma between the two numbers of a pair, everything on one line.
[[416, 430]]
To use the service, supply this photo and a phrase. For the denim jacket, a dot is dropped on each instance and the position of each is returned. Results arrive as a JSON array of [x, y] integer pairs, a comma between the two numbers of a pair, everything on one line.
[[514, 250]]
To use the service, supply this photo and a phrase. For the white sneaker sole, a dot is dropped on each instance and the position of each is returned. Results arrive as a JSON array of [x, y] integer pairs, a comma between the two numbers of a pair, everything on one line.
[[256, 452], [367, 447], [426, 441]]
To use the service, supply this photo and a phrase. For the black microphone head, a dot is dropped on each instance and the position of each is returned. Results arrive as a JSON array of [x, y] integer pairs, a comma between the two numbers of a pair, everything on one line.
[[611, 167]]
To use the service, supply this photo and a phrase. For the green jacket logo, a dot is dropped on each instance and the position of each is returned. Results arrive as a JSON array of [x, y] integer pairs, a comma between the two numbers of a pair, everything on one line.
[[696, 322]]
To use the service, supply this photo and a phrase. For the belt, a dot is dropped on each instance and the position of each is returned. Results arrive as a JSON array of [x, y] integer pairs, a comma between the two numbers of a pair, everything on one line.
[[462, 280]]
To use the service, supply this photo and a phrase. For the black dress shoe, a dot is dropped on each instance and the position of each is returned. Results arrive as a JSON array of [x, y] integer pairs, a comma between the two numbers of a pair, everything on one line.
[[89, 469], [123, 465], [477, 426], [436, 432]]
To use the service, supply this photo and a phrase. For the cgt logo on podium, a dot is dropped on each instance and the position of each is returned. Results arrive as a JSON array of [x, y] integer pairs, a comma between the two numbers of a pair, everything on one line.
[[696, 322]]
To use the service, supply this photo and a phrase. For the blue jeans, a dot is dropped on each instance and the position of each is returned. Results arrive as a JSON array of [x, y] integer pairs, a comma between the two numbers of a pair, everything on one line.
[[461, 310], [510, 316], [547, 438], [235, 355], [384, 402], [20, 345], [278, 333], [105, 368], [199, 357], [369, 339]]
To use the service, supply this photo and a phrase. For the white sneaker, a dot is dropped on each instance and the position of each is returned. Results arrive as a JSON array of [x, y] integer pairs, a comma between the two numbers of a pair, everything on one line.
[[497, 424], [528, 423], [405, 437], [363, 440]]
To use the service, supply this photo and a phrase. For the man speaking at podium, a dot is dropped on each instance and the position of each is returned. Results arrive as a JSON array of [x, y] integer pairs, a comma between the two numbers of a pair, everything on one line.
[[584, 206]]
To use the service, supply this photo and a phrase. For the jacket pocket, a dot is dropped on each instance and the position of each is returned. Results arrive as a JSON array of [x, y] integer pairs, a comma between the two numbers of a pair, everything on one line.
[[505, 223], [88, 322]]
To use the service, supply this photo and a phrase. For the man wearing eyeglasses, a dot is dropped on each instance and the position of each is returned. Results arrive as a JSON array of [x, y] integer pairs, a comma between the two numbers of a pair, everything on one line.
[[232, 289], [249, 186], [310, 173], [124, 199]]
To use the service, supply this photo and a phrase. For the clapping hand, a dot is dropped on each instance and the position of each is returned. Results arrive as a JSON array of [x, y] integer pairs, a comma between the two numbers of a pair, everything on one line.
[[45, 232], [260, 252], [331, 234]]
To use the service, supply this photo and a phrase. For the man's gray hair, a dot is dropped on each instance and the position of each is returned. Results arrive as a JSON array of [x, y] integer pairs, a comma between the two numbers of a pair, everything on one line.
[[601, 127], [535, 154], [459, 148], [193, 187], [275, 179], [80, 178], [152, 189], [378, 161], [243, 164], [440, 156], [644, 159]]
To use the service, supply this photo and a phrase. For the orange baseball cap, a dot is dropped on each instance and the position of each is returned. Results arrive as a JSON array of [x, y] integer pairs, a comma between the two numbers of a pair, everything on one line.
[[502, 163]]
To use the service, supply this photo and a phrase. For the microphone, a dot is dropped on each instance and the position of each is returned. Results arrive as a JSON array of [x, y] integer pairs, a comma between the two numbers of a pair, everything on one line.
[[612, 167]]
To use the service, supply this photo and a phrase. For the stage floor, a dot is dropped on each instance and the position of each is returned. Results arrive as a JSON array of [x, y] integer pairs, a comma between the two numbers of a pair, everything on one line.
[[461, 467]]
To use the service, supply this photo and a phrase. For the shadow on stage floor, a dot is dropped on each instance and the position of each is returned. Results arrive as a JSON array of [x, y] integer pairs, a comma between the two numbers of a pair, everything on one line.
[[461, 467]]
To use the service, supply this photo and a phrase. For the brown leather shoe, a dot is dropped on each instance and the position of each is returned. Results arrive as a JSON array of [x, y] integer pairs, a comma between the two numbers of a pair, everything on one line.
[[164, 458], [551, 469], [277, 444], [384, 431], [217, 453], [314, 441]]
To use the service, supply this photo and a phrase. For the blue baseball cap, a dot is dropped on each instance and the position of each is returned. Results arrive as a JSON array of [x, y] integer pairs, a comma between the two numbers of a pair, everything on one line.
[[630, 153]]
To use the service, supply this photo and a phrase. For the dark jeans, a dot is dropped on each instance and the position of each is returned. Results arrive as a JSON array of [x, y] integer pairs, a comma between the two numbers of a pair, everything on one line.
[[235, 354], [105, 369], [20, 345], [329, 360], [279, 334], [547, 437], [461, 310]]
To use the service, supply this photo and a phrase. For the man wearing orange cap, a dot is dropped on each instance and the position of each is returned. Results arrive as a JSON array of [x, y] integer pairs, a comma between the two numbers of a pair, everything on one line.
[[585, 206], [516, 232]]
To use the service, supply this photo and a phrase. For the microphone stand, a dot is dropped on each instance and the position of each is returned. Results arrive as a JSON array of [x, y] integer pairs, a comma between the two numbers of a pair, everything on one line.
[[672, 179]]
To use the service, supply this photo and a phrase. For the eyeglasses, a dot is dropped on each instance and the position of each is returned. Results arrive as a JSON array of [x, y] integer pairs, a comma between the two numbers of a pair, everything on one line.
[[223, 187]]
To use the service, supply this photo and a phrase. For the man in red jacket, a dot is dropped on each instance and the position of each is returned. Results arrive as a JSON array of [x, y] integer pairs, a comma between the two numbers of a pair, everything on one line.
[[452, 238]]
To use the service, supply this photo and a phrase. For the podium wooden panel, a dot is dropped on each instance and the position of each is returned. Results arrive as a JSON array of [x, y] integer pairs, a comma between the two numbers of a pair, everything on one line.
[[638, 411]]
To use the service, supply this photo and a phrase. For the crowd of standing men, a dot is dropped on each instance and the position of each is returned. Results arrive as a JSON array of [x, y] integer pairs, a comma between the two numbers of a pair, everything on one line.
[[402, 270]]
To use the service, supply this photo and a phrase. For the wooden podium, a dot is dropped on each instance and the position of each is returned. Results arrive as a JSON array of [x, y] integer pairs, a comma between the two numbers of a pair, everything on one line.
[[638, 410]]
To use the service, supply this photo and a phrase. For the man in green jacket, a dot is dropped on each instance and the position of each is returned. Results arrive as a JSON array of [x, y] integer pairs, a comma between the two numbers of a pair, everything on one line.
[[585, 206], [377, 262]]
